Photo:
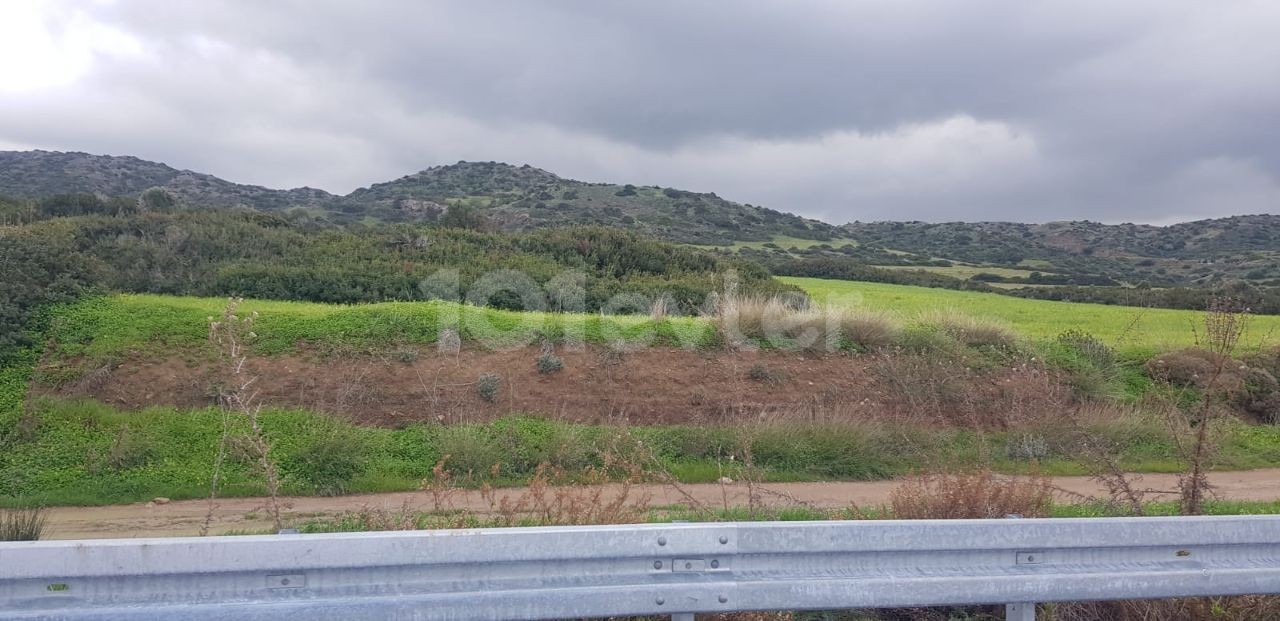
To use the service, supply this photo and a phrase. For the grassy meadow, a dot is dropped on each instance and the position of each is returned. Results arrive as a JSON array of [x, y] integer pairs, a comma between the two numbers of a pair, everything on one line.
[[1120, 326]]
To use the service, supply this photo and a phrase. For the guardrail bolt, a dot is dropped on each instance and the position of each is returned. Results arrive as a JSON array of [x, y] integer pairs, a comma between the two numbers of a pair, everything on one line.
[[662, 541], [724, 599], [660, 601], [715, 564], [723, 540], [657, 564]]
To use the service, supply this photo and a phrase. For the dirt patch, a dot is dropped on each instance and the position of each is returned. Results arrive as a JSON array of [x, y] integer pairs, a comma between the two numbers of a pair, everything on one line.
[[649, 386]]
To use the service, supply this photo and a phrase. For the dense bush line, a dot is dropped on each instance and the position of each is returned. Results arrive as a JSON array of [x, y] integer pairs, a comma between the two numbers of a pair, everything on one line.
[[57, 249], [1263, 301]]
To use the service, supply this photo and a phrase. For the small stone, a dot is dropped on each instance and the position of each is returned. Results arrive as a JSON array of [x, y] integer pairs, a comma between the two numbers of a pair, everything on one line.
[[725, 481], [160, 500]]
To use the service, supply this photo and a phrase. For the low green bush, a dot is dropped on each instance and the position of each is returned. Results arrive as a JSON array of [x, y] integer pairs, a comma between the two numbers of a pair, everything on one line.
[[329, 462]]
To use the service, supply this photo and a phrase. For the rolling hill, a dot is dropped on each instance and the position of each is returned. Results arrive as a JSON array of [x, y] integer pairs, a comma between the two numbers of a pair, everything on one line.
[[510, 198], [504, 197]]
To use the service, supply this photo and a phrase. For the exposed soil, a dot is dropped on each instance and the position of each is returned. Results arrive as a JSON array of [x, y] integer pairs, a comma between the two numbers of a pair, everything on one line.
[[646, 386], [247, 514]]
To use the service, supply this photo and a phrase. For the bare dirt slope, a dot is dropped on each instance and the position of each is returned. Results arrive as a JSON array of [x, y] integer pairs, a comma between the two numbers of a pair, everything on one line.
[[648, 386], [247, 514]]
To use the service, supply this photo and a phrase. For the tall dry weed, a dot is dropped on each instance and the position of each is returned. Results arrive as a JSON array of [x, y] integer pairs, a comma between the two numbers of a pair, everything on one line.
[[231, 334], [971, 495]]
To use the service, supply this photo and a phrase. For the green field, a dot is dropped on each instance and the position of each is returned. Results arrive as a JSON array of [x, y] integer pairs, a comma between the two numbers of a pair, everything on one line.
[[1122, 326], [111, 326], [105, 326]]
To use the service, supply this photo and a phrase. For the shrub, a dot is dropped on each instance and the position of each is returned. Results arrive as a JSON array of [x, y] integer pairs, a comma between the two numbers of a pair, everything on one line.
[[1090, 347], [970, 495], [1261, 396], [1200, 369], [406, 355], [328, 464], [488, 385], [1027, 447], [1262, 390], [763, 374], [549, 363], [22, 524]]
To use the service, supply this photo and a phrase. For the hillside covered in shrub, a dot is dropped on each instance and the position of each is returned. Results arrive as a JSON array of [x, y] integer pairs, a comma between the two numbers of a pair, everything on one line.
[[69, 245]]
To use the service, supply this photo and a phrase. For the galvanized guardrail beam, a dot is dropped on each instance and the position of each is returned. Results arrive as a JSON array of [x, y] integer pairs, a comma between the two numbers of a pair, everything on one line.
[[676, 569]]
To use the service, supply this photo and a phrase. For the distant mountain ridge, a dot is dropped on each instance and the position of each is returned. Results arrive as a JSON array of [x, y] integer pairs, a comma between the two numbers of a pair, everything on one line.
[[35, 174], [519, 198], [512, 197], [1199, 253]]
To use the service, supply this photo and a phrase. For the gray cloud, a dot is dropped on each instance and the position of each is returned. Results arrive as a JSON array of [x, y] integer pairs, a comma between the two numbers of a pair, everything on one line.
[[1149, 111]]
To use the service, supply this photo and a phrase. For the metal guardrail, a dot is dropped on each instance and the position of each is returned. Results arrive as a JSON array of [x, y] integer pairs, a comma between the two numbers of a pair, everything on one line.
[[669, 569]]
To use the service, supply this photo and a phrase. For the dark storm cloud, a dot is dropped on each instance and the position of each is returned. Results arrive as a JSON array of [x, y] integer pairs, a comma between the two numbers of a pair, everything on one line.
[[1143, 111]]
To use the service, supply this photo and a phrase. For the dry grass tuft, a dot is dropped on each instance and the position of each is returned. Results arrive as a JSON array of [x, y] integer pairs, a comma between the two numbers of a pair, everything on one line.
[[867, 329], [780, 322], [22, 524], [971, 495], [660, 309], [970, 330]]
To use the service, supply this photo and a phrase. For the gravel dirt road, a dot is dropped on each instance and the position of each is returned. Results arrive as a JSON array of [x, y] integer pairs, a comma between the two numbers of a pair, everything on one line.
[[184, 518]]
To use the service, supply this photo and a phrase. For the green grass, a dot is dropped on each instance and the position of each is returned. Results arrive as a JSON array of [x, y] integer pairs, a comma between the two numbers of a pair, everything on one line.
[[108, 326], [1121, 326], [81, 452]]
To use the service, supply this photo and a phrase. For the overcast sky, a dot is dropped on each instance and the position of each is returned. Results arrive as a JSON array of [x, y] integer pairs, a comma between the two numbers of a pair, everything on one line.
[[1142, 110]]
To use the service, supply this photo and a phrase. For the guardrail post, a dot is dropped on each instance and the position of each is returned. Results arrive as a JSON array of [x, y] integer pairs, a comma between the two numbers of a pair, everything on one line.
[[1023, 611], [682, 616]]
